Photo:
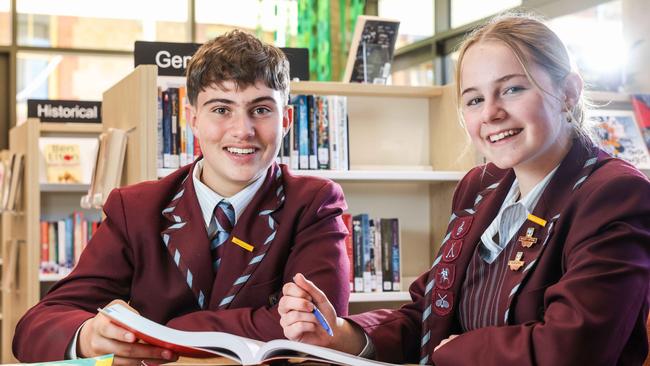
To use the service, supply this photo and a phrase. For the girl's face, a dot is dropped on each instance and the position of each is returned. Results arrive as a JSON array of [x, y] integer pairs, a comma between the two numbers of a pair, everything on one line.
[[511, 122]]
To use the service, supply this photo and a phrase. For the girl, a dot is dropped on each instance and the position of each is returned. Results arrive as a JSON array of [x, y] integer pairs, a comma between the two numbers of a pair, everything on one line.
[[547, 256]]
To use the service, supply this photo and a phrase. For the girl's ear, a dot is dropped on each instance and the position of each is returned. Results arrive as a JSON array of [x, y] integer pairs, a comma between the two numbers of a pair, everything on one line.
[[572, 90]]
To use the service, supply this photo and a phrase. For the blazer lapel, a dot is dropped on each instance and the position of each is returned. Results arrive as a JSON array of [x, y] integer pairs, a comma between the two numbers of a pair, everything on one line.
[[250, 240], [448, 270], [186, 240], [572, 172]]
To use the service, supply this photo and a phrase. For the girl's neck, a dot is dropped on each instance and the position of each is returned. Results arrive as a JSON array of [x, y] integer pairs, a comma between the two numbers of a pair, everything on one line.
[[532, 173]]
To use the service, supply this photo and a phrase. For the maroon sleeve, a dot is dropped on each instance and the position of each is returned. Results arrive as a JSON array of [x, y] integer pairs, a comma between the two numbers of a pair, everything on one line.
[[595, 314], [46, 330], [317, 249]]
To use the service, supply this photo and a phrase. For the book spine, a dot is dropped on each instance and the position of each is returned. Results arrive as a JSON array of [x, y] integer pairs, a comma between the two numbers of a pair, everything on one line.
[[332, 102], [358, 253], [344, 132], [176, 139], [167, 130], [295, 137], [45, 244], [53, 260], [366, 253], [323, 133], [60, 230], [378, 279], [312, 128], [347, 221], [159, 134], [386, 252], [182, 123], [397, 286], [303, 126]]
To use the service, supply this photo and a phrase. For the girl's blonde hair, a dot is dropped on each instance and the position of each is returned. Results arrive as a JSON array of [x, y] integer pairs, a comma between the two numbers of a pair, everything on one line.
[[531, 41]]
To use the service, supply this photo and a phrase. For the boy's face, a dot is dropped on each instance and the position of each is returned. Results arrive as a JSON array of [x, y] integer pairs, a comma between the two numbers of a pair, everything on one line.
[[239, 131]]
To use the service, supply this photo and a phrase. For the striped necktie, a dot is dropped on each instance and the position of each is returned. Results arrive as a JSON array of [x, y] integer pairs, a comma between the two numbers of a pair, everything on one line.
[[223, 221]]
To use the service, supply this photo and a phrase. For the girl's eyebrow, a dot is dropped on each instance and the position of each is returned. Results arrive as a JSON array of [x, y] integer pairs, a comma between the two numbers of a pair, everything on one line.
[[499, 80]]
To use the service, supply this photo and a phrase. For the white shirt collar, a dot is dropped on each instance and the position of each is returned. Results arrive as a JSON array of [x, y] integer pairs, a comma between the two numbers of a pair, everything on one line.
[[208, 199], [516, 213]]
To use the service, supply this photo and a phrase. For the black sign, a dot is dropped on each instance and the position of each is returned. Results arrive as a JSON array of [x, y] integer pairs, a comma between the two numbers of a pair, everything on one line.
[[64, 110], [172, 58]]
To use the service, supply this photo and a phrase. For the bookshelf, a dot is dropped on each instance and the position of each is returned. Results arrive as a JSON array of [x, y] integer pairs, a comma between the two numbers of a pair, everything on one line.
[[407, 153], [22, 284]]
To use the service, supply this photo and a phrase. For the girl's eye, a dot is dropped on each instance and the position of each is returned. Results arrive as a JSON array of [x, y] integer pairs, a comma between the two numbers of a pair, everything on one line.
[[474, 101], [513, 89]]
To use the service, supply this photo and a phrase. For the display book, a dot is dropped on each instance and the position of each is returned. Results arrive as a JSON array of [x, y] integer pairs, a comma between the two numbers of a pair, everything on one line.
[[107, 172], [371, 50], [618, 133], [11, 176], [241, 350]]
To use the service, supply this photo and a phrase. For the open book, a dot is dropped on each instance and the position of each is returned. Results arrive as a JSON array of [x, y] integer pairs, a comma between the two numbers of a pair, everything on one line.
[[242, 350]]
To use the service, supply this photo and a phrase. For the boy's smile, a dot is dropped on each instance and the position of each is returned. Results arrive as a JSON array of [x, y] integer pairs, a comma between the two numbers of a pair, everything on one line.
[[239, 131]]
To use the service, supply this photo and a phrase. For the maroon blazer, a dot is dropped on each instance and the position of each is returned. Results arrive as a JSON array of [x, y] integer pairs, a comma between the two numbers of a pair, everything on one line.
[[581, 297], [293, 222]]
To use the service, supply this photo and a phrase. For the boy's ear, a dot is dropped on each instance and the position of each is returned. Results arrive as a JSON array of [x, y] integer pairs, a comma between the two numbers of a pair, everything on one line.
[[190, 116], [287, 119]]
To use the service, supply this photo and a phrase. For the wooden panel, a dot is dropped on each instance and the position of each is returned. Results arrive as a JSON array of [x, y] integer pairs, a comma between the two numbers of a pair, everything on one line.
[[131, 105]]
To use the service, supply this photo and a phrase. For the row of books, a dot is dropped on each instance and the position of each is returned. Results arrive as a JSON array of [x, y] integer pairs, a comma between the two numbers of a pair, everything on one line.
[[319, 135], [177, 145], [373, 247], [11, 177], [62, 242]]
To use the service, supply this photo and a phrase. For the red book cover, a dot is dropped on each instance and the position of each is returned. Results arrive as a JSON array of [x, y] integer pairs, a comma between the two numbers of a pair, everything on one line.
[[347, 220], [641, 105]]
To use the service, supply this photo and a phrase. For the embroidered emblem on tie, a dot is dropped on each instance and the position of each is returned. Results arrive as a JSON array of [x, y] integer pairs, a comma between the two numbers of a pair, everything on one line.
[[528, 240], [224, 220]]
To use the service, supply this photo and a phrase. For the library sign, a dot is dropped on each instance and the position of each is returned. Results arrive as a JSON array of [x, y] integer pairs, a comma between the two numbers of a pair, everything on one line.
[[64, 110], [172, 58]]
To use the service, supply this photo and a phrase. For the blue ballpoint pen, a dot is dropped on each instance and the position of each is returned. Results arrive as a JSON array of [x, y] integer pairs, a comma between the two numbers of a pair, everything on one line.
[[322, 321]]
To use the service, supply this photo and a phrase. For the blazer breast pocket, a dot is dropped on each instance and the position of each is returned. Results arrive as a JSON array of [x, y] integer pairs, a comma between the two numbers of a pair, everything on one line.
[[258, 294]]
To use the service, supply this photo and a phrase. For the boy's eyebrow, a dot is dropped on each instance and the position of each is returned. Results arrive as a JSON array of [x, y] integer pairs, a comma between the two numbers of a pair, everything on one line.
[[265, 98], [499, 80]]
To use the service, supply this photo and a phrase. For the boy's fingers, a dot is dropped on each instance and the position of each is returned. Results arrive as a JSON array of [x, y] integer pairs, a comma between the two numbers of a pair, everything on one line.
[[293, 290], [317, 295]]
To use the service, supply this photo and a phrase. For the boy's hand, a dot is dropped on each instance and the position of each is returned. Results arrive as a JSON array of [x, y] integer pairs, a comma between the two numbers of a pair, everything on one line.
[[300, 324], [99, 336]]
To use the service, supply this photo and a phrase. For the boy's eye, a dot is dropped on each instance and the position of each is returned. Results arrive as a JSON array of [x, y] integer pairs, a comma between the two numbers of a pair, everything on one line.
[[220, 110], [261, 110]]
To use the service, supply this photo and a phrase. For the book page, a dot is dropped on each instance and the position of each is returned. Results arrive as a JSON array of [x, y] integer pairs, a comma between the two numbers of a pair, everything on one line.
[[195, 344], [282, 348]]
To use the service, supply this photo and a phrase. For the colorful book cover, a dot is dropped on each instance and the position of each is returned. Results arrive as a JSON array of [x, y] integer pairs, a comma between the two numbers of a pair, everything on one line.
[[618, 133], [641, 105], [105, 360], [63, 163]]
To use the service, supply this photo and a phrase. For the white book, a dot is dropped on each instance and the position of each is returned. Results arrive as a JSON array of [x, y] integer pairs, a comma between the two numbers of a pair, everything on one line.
[[243, 350]]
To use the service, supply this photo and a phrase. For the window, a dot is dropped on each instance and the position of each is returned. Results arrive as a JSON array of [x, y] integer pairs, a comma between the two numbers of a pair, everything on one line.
[[74, 77], [467, 11], [274, 21], [99, 24], [5, 22], [419, 75], [416, 19], [598, 49]]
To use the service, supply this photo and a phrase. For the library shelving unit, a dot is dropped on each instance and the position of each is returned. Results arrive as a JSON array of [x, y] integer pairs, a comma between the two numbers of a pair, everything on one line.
[[407, 152], [22, 283]]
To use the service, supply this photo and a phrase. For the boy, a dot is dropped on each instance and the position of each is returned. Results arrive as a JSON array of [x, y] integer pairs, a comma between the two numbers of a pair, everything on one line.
[[210, 246]]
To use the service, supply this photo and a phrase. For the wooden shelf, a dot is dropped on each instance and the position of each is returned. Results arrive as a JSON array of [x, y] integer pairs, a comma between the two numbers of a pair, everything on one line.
[[370, 90], [371, 175], [50, 277], [61, 187], [401, 296], [76, 128]]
